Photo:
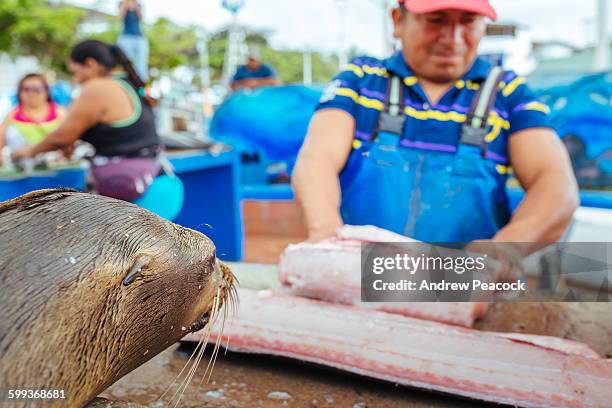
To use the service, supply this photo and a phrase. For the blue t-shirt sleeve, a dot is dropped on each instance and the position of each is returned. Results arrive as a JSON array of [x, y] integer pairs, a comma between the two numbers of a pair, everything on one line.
[[239, 75], [343, 90], [525, 109], [267, 71]]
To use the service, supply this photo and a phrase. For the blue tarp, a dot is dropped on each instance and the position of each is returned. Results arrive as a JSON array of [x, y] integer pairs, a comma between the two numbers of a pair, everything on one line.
[[270, 121], [582, 114]]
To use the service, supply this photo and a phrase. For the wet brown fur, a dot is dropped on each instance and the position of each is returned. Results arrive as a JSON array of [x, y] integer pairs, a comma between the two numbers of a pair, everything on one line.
[[66, 319]]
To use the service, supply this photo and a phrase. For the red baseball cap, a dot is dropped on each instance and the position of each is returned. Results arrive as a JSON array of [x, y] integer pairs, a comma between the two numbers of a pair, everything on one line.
[[427, 6]]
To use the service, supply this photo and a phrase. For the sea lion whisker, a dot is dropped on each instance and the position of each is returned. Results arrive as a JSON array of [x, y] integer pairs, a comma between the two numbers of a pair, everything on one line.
[[218, 342], [231, 321], [216, 350], [233, 305], [187, 379], [193, 354], [203, 341], [225, 319], [235, 300], [212, 322], [213, 359], [217, 313]]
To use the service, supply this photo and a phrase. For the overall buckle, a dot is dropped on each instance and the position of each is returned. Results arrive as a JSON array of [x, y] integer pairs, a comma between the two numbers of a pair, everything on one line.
[[391, 123], [471, 135]]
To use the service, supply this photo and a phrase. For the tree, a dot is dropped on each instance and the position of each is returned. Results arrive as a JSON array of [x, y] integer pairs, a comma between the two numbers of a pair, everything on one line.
[[48, 30], [171, 45], [38, 28], [287, 63]]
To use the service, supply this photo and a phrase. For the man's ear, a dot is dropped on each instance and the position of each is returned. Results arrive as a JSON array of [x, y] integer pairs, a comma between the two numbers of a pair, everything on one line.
[[397, 15]]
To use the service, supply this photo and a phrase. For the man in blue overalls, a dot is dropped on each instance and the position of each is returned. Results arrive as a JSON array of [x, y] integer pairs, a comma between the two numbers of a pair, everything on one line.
[[421, 143]]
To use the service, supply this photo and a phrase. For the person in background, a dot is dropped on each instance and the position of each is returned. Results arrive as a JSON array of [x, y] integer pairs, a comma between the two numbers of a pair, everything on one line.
[[132, 40], [35, 116], [254, 74], [421, 143], [111, 115]]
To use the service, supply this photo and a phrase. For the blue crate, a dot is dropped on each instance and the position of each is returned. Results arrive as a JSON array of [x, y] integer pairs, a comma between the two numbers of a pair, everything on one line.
[[74, 177]]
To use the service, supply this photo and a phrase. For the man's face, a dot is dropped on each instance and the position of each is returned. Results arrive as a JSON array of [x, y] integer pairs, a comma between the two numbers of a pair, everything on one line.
[[439, 46], [253, 63]]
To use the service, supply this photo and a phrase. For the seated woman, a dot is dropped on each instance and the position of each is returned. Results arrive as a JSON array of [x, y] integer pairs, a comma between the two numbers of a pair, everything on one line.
[[35, 116], [113, 117]]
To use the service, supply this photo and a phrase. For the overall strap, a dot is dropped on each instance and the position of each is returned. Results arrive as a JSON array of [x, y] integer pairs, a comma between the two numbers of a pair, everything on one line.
[[392, 118], [474, 129]]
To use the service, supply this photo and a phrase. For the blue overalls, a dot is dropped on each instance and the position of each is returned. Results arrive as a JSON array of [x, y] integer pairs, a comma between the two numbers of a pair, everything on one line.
[[428, 195]]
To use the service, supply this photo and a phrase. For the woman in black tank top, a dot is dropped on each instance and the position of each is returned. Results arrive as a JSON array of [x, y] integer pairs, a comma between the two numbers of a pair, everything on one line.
[[126, 150]]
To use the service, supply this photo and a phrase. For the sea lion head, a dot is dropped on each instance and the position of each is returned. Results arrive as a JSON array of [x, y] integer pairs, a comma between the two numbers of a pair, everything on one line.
[[93, 287]]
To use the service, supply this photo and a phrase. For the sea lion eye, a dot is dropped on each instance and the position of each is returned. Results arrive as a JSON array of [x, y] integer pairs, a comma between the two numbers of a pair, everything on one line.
[[140, 263]]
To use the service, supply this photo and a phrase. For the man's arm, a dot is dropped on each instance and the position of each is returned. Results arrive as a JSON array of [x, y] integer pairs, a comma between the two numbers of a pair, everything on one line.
[[241, 83], [255, 82], [542, 166], [267, 81], [315, 177]]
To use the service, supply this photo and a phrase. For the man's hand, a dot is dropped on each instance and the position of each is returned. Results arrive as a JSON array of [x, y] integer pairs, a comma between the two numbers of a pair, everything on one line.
[[324, 232], [504, 259]]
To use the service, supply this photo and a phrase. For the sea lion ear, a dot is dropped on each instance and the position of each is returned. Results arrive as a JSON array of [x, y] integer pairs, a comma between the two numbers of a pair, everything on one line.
[[139, 263]]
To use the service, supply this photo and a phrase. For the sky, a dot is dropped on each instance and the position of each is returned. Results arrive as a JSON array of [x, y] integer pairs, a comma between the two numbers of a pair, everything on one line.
[[314, 24]]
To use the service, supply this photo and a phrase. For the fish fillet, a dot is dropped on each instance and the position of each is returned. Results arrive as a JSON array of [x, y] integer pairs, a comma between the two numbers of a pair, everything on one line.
[[524, 370], [330, 270]]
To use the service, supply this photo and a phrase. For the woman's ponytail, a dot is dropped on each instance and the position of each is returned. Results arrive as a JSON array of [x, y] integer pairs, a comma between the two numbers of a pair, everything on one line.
[[125, 62], [132, 75]]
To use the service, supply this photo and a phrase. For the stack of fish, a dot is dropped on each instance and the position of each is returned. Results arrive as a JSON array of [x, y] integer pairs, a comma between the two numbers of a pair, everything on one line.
[[383, 342]]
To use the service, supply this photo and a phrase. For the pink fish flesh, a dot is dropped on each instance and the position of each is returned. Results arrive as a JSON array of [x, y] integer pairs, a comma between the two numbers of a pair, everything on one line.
[[330, 270], [523, 370]]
